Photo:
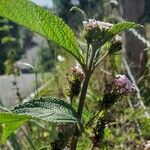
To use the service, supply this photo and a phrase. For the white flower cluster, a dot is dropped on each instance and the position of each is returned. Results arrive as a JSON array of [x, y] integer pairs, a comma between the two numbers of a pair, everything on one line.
[[92, 23]]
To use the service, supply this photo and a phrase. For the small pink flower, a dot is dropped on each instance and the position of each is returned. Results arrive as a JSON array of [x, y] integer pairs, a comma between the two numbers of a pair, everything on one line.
[[92, 23], [123, 85], [77, 72]]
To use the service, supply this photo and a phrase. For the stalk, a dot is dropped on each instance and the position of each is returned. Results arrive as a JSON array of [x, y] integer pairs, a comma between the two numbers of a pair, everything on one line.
[[80, 108], [82, 97]]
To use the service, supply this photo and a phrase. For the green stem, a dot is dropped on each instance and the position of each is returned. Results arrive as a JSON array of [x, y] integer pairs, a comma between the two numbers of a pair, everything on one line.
[[102, 58], [92, 147], [87, 55], [80, 108], [28, 138], [83, 94], [71, 99], [88, 74]]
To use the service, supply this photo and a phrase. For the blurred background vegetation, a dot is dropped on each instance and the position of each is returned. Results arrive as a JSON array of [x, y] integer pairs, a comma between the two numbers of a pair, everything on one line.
[[129, 128]]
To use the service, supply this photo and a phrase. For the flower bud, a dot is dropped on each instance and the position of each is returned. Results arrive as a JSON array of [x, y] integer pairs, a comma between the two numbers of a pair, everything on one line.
[[116, 44], [95, 32], [77, 72], [120, 86], [90, 24], [65, 132], [75, 79]]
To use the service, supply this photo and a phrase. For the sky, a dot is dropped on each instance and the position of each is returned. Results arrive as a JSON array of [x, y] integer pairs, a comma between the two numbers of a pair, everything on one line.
[[47, 3]]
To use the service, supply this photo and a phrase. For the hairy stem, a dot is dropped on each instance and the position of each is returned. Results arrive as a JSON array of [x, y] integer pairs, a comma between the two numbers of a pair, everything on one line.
[[80, 108]]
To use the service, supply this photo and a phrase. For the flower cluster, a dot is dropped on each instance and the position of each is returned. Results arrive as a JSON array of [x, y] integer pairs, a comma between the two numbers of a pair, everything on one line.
[[120, 86], [96, 32], [75, 79], [118, 38], [77, 72], [123, 85], [92, 23]]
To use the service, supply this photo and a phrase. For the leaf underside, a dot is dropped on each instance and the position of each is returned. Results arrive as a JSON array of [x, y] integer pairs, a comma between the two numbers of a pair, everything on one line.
[[49, 109]]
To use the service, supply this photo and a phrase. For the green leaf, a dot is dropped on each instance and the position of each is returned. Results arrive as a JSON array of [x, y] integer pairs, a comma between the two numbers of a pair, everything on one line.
[[37, 19], [116, 29], [9, 122], [121, 26], [48, 108]]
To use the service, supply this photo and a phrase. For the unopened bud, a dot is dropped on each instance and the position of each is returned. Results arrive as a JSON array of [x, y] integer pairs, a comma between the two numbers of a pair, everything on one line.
[[77, 72], [75, 79], [116, 44], [95, 32], [120, 86]]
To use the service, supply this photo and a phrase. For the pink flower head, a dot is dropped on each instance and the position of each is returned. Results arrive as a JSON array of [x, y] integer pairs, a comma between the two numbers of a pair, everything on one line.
[[92, 23], [77, 72], [123, 85]]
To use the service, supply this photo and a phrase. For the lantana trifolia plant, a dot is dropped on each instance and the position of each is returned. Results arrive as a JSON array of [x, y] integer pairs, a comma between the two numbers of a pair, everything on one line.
[[101, 39]]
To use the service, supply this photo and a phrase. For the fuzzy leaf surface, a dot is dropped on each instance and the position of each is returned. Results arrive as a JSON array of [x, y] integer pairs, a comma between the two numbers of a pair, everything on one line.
[[9, 122], [37, 19], [121, 26], [49, 109]]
